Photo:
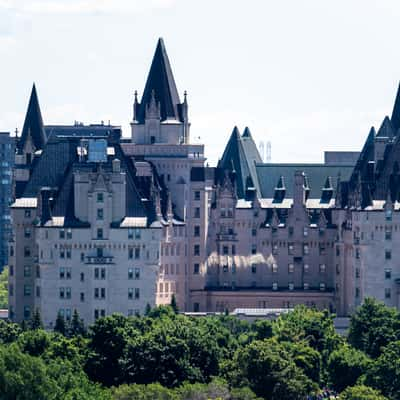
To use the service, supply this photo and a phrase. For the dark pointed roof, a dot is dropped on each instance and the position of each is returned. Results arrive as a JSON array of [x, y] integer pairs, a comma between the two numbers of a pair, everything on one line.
[[240, 155], [246, 132], [33, 125], [161, 81], [386, 129], [396, 111]]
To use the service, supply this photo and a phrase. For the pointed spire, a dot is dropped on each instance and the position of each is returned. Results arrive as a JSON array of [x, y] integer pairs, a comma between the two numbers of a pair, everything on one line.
[[246, 133], [161, 81], [396, 112], [280, 191], [386, 129], [327, 191], [33, 125]]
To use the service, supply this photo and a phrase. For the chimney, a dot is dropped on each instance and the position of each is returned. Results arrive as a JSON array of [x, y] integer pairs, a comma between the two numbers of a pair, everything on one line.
[[45, 212], [116, 165], [299, 190]]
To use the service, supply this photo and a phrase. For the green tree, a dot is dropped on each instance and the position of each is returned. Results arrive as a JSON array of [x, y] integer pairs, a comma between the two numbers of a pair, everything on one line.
[[373, 326], [174, 306], [384, 373], [60, 325], [77, 326], [9, 332], [36, 320], [345, 366], [4, 288], [266, 367], [361, 392], [35, 343]]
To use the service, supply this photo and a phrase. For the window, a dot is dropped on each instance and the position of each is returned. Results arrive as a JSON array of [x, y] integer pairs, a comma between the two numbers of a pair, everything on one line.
[[275, 286], [197, 195], [322, 249], [96, 293], [27, 290], [99, 233], [196, 307], [291, 268], [137, 293], [305, 231], [11, 289], [97, 273], [82, 257], [322, 287], [388, 293], [68, 314], [253, 249], [137, 273], [253, 269], [37, 271], [291, 286], [102, 273], [27, 233], [197, 212], [61, 234], [62, 293], [68, 292], [130, 253], [82, 277], [27, 271], [225, 250], [225, 268], [103, 293], [11, 251], [99, 252], [62, 273], [196, 231], [96, 314], [130, 293], [27, 213], [196, 250], [130, 233], [357, 293], [100, 214], [27, 251], [275, 249], [138, 233], [68, 253], [306, 249], [306, 268], [69, 233], [254, 232], [196, 269], [274, 268], [322, 268], [306, 286], [11, 270], [388, 254], [100, 197], [388, 235], [62, 253], [27, 312], [130, 273], [388, 273], [357, 273], [357, 253], [388, 215], [82, 296], [290, 248], [233, 249]]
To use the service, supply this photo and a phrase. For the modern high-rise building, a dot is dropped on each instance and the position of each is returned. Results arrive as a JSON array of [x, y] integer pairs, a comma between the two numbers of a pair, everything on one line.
[[7, 145], [103, 224]]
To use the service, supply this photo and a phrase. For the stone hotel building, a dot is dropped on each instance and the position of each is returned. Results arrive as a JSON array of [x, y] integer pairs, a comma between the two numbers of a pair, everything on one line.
[[104, 224]]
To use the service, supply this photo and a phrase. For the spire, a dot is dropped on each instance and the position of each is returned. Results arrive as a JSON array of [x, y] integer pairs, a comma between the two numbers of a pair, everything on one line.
[[327, 191], [386, 129], [33, 125], [280, 190], [396, 111], [246, 133], [161, 81]]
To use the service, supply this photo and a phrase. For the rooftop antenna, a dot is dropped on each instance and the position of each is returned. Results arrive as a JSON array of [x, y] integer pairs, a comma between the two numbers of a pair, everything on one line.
[[261, 148], [268, 152]]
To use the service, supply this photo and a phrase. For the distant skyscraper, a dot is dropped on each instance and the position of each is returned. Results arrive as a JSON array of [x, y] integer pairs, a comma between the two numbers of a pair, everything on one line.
[[6, 164]]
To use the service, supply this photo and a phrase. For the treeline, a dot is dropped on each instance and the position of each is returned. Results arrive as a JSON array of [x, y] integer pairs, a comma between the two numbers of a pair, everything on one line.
[[168, 356]]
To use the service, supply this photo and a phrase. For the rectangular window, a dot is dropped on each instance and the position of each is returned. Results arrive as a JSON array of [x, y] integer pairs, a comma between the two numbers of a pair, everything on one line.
[[137, 253], [196, 231], [82, 257], [275, 286], [103, 273], [27, 251], [253, 249], [196, 269], [62, 293], [291, 286], [62, 273], [357, 293], [290, 249], [274, 249], [27, 271], [96, 273], [322, 287], [306, 286], [27, 233], [100, 197], [96, 293], [27, 290], [37, 271], [274, 268], [388, 273], [27, 312], [99, 233], [68, 273], [130, 293], [357, 273], [69, 233], [388, 293], [253, 269], [357, 253], [130, 253], [322, 249], [137, 273], [388, 235], [197, 195], [68, 314], [11, 270], [197, 212], [254, 232], [82, 277], [27, 213], [225, 250], [61, 234], [291, 268], [306, 268], [130, 233], [130, 273], [388, 254], [322, 268], [103, 293], [137, 293], [138, 233], [11, 289], [82, 297], [100, 214], [68, 293], [306, 249], [96, 314], [68, 253], [196, 250]]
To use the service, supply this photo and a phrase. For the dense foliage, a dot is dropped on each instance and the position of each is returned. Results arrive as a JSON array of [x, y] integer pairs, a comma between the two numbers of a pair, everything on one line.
[[166, 355], [4, 288]]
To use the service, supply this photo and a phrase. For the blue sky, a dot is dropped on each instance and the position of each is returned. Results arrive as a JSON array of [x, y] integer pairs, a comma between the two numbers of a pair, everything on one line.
[[307, 75]]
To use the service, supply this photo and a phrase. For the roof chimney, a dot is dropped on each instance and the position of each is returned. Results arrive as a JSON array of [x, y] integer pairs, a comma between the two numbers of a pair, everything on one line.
[[45, 212]]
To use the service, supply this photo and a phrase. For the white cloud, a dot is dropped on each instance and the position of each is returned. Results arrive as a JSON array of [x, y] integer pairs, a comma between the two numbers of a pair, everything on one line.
[[84, 6]]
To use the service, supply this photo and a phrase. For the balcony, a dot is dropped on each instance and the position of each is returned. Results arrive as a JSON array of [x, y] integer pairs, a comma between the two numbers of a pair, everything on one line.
[[99, 260]]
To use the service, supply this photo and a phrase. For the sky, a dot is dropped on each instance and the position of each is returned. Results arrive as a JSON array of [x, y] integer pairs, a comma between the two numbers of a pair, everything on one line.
[[306, 75]]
